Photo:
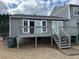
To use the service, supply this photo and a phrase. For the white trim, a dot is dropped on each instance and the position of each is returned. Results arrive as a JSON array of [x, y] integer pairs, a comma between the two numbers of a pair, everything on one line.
[[42, 25], [9, 26], [23, 25], [74, 10], [51, 11], [69, 11]]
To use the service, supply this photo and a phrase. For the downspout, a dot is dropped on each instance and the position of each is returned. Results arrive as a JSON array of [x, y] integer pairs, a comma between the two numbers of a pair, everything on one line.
[[69, 18], [9, 26]]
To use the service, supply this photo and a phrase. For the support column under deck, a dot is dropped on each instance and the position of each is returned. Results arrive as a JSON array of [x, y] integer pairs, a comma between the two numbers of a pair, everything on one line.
[[18, 42], [51, 41], [35, 42]]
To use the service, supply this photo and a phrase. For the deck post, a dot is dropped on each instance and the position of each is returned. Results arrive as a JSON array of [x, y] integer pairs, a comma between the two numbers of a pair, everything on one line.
[[51, 41], [35, 42], [6, 42], [17, 42]]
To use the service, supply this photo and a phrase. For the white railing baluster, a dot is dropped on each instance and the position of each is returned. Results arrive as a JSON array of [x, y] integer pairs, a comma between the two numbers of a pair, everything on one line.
[[59, 45], [67, 35]]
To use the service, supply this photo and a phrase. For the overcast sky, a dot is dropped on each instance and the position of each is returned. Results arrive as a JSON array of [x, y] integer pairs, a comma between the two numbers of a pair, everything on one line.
[[41, 7]]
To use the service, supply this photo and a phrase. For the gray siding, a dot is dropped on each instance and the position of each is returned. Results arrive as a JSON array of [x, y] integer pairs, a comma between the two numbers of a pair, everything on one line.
[[15, 23], [65, 11], [17, 31], [72, 23], [60, 11], [71, 13]]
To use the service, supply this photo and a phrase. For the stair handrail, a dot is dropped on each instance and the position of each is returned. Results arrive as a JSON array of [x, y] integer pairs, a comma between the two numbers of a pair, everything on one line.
[[66, 35], [64, 31], [57, 36]]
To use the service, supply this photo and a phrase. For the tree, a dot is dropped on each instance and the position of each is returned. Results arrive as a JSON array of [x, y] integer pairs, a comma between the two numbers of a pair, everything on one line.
[[4, 25]]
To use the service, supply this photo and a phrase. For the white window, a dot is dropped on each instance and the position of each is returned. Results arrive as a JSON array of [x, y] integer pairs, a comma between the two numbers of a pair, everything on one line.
[[76, 11], [44, 25], [25, 24], [38, 23]]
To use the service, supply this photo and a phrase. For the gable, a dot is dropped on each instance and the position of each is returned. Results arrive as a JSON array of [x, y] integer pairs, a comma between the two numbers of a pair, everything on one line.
[[61, 11]]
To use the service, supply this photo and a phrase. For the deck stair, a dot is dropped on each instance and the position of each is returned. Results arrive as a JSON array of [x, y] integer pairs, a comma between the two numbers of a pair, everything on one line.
[[62, 39]]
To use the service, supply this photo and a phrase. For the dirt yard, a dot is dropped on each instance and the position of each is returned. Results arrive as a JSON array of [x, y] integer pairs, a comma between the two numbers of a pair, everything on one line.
[[33, 53], [29, 52]]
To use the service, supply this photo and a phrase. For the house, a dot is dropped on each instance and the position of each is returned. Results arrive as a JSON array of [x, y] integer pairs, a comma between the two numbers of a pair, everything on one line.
[[71, 27], [23, 26]]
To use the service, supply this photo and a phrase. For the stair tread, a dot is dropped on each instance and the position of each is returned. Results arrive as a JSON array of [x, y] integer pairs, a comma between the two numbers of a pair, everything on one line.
[[61, 41], [64, 43], [66, 47]]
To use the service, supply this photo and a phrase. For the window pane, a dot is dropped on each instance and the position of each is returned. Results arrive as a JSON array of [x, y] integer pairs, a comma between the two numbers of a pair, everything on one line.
[[75, 12], [78, 12], [25, 29], [44, 29], [25, 23], [44, 23]]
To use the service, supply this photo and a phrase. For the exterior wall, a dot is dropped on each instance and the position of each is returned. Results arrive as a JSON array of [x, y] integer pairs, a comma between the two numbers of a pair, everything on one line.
[[17, 31], [71, 12], [15, 23], [61, 11], [72, 23], [67, 11]]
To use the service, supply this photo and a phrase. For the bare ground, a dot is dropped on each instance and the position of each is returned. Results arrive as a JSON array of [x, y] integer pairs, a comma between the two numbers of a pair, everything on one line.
[[29, 52], [33, 53]]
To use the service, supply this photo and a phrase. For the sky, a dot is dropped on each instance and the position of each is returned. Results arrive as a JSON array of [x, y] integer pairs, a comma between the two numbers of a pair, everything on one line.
[[41, 7]]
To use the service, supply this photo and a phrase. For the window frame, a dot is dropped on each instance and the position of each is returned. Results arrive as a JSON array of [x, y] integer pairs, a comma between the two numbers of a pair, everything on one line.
[[23, 26], [75, 11], [44, 26]]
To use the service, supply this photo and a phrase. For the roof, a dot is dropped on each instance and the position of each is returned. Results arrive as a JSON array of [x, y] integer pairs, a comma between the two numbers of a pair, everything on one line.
[[56, 9], [38, 17], [74, 5], [74, 2]]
